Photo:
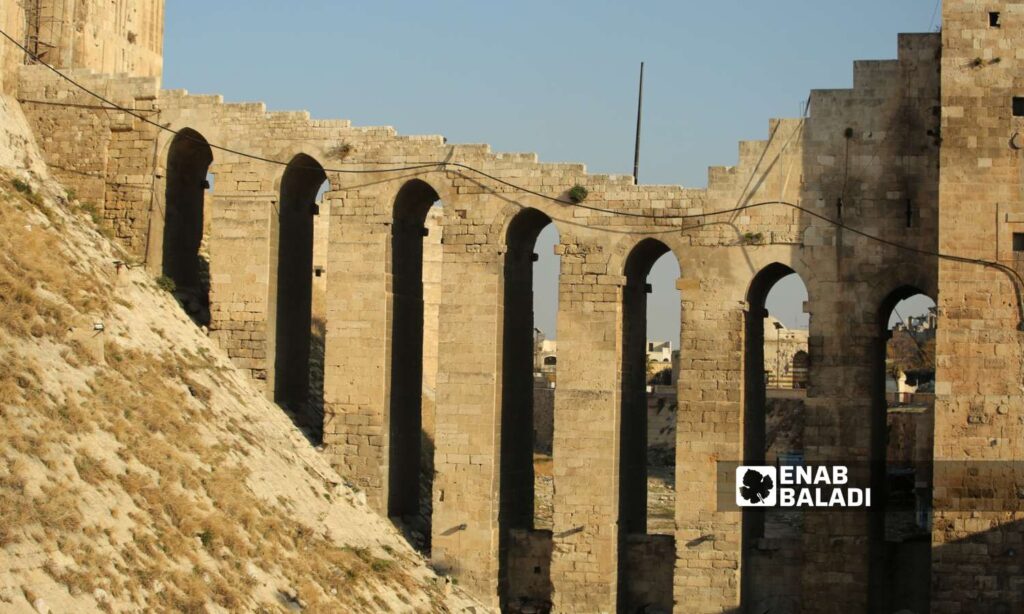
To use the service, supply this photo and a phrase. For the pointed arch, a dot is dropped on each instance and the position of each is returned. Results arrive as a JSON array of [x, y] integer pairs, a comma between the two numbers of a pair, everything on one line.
[[409, 485], [291, 284], [188, 162], [759, 369], [516, 518], [634, 537], [911, 557]]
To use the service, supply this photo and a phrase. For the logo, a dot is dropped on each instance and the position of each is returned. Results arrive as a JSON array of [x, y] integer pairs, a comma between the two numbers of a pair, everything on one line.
[[756, 486], [789, 486]]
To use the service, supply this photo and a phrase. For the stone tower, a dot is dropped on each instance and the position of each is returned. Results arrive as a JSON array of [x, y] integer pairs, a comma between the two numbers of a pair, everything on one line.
[[107, 36]]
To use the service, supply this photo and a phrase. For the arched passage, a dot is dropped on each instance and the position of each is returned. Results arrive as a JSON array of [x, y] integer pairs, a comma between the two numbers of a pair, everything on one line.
[[410, 476], [645, 560], [525, 574], [188, 161], [902, 429], [777, 361], [292, 285]]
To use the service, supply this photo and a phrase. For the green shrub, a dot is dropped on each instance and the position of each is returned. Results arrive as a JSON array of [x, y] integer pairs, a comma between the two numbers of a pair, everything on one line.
[[166, 283], [21, 186], [93, 211], [26, 189], [578, 193], [340, 151]]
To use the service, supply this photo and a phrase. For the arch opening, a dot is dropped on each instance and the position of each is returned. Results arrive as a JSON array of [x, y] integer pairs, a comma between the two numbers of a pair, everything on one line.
[[291, 287], [902, 448], [528, 378], [415, 231], [183, 252], [777, 360], [647, 427]]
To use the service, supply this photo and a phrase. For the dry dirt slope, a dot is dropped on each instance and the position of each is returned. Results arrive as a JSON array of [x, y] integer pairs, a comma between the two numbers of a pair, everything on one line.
[[138, 470]]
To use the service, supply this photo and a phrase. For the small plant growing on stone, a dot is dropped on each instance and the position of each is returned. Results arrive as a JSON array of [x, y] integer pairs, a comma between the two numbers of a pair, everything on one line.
[[21, 186], [578, 193], [93, 211], [206, 537], [340, 151], [166, 283], [26, 189], [750, 238]]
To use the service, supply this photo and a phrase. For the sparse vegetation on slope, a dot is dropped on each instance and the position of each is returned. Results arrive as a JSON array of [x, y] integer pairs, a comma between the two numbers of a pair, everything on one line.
[[139, 470]]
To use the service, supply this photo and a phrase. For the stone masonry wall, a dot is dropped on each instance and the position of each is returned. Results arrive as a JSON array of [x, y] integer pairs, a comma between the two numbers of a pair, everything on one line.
[[123, 36], [977, 539], [12, 20]]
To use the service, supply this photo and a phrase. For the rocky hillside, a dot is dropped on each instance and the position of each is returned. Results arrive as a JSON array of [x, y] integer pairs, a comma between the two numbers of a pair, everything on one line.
[[138, 470]]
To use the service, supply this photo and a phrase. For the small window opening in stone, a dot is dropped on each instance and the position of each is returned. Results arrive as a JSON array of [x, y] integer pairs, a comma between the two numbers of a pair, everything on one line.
[[993, 19], [318, 271], [1018, 241], [536, 569], [1018, 106]]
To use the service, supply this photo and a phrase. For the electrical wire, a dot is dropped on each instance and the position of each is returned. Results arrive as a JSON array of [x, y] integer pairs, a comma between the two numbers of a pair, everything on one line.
[[935, 11], [442, 164]]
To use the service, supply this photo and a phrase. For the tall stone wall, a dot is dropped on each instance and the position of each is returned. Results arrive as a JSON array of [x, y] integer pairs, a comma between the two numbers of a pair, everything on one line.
[[119, 36], [977, 536], [12, 20]]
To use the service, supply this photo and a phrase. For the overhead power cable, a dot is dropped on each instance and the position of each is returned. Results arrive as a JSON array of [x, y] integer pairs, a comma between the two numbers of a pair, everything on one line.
[[1016, 278]]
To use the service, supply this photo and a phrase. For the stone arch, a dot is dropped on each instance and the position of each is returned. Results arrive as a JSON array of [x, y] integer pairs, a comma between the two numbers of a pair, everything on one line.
[[911, 559], [633, 427], [291, 283], [188, 161], [516, 495], [754, 416], [753, 356], [409, 484]]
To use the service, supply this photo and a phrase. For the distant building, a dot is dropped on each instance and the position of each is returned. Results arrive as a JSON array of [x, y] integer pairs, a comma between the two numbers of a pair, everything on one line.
[[659, 351], [786, 361], [545, 352]]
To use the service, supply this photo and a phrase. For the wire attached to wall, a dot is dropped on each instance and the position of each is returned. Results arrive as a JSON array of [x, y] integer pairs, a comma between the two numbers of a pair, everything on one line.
[[1015, 277]]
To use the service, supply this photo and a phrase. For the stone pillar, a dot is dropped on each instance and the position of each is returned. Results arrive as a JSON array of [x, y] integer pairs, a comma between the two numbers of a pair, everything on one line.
[[467, 413], [840, 419], [586, 440], [238, 240], [355, 369], [979, 430], [709, 429]]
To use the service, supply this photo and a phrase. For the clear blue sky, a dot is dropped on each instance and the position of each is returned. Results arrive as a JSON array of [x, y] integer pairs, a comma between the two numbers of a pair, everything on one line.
[[558, 79]]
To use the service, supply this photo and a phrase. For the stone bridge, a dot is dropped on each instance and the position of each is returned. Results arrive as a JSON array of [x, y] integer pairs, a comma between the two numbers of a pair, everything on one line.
[[911, 161]]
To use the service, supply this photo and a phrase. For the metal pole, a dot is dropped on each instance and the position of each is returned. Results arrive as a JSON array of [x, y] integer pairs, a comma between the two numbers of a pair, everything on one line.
[[639, 112], [778, 357]]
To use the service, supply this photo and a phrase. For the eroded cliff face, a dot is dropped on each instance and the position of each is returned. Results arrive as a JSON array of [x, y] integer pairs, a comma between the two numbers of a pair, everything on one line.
[[139, 469]]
